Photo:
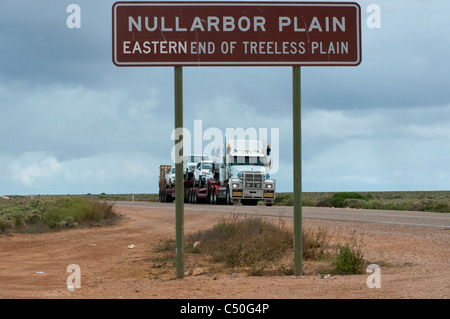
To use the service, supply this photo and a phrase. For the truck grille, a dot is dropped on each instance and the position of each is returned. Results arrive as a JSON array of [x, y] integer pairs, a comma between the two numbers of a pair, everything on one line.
[[252, 180]]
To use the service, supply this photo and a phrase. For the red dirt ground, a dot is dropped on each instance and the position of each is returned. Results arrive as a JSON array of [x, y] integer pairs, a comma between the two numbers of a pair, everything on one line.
[[414, 263]]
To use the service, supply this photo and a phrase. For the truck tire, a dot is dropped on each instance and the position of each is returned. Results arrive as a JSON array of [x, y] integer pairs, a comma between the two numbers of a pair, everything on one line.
[[214, 194], [228, 198], [166, 197]]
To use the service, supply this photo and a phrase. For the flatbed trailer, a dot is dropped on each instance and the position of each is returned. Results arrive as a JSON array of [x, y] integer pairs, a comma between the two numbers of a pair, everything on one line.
[[213, 193], [208, 194], [193, 195]]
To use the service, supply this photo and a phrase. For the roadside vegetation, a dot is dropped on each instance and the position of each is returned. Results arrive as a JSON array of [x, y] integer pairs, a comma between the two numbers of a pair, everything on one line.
[[121, 197], [48, 213], [429, 201], [259, 246], [432, 201]]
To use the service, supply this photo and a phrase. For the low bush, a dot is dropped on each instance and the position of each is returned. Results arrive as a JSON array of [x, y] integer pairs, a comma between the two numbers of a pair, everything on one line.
[[260, 246], [339, 199], [354, 203], [316, 244], [283, 200], [52, 212], [244, 242], [349, 259]]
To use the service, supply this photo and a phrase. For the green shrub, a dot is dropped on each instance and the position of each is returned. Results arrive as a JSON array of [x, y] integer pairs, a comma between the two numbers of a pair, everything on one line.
[[283, 200], [338, 199], [349, 260], [354, 203], [5, 223]]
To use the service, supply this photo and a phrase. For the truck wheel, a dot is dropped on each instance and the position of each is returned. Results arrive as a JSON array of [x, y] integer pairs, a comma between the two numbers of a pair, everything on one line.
[[166, 197], [190, 196], [228, 200]]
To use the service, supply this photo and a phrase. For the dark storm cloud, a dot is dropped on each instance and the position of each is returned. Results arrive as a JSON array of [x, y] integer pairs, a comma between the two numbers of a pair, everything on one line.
[[74, 122]]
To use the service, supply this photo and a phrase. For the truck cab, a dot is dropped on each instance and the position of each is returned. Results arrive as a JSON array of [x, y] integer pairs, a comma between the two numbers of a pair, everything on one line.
[[245, 171], [189, 164]]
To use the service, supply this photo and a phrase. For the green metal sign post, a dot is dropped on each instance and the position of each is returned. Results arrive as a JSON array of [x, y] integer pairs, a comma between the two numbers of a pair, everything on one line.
[[297, 137], [179, 184]]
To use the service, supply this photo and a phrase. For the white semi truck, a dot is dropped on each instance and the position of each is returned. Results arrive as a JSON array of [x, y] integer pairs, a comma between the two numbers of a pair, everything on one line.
[[240, 173], [245, 173]]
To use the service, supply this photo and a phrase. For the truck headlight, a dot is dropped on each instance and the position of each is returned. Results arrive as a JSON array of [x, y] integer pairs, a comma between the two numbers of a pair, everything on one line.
[[235, 185], [269, 185]]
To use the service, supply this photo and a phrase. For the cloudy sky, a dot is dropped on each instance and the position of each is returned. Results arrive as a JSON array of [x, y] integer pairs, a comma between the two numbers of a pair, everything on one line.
[[74, 123]]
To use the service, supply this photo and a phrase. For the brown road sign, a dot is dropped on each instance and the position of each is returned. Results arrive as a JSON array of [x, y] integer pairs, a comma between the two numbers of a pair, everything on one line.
[[236, 33]]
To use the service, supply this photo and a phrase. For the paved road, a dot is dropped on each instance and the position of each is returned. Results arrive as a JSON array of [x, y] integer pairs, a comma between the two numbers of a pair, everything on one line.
[[389, 217]]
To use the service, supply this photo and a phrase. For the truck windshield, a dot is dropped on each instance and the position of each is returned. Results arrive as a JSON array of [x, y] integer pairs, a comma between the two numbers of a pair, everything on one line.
[[207, 166], [198, 158], [247, 160]]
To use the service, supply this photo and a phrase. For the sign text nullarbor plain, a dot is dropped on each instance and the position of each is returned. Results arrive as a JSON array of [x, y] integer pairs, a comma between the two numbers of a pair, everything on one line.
[[230, 24]]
